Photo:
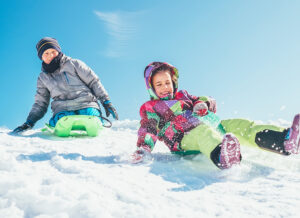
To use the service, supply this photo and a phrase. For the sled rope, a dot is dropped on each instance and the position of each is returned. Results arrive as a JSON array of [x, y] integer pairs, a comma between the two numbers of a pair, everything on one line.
[[107, 120]]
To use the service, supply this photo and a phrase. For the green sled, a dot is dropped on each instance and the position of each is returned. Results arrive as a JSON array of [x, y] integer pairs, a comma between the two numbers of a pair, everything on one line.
[[76, 125]]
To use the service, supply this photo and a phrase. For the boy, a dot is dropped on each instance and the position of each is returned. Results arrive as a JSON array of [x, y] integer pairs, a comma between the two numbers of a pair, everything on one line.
[[73, 86]]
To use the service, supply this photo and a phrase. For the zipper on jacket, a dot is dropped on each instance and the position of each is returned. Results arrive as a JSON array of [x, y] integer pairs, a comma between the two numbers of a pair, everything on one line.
[[66, 77]]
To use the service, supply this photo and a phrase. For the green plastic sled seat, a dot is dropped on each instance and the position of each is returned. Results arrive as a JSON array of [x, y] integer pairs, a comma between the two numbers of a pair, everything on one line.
[[76, 125]]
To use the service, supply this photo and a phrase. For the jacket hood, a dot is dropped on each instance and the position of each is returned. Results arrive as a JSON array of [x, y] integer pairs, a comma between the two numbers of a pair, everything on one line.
[[148, 73]]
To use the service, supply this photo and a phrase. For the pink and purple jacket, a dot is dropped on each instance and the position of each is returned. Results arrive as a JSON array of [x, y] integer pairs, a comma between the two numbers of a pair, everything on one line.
[[167, 120]]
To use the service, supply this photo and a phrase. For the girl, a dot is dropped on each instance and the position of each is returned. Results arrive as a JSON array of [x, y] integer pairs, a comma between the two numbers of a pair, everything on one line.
[[175, 117], [73, 86]]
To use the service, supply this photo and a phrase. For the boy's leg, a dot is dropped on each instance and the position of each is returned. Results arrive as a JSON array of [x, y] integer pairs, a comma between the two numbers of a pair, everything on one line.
[[267, 137], [56, 117], [89, 111]]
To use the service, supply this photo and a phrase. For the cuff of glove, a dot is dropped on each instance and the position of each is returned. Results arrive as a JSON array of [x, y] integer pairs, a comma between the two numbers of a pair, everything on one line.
[[197, 102], [106, 102], [204, 98], [29, 123]]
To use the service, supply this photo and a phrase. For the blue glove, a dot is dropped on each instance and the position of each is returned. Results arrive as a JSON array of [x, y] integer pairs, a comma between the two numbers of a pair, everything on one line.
[[26, 126], [109, 109]]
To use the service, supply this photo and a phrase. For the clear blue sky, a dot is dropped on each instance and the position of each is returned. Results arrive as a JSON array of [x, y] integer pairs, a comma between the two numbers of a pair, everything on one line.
[[243, 53]]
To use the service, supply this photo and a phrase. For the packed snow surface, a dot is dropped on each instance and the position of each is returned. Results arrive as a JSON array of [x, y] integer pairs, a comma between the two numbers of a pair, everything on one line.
[[44, 176]]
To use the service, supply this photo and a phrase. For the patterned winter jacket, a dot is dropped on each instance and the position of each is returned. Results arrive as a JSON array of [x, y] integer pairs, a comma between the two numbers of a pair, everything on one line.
[[167, 120]]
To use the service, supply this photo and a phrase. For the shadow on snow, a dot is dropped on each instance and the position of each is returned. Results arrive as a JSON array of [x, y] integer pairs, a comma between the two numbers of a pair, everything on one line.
[[113, 159]]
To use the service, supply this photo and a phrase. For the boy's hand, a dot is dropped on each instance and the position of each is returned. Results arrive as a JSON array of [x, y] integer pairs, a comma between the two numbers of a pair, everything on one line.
[[109, 109], [22, 128], [141, 154], [200, 108]]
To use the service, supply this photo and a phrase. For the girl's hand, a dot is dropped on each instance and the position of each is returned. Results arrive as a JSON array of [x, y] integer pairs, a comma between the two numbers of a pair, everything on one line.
[[212, 105], [200, 108], [141, 154]]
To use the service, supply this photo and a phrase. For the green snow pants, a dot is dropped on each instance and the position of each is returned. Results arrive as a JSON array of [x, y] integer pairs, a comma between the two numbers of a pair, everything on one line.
[[205, 139], [246, 130]]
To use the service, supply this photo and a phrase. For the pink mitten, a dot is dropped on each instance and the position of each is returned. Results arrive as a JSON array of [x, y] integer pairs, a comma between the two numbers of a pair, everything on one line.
[[140, 154], [200, 108]]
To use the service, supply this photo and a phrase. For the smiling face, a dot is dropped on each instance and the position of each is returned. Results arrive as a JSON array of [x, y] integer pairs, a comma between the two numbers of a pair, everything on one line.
[[162, 84], [49, 54]]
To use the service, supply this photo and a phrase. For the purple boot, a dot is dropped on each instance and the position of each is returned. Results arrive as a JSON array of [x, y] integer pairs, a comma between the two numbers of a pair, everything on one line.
[[230, 151], [293, 142]]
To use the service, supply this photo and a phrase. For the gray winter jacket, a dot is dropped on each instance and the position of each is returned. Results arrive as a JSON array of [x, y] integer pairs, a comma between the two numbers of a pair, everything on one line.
[[73, 86]]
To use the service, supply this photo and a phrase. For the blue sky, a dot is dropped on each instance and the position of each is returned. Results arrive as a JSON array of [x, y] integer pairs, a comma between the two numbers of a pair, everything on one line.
[[243, 53]]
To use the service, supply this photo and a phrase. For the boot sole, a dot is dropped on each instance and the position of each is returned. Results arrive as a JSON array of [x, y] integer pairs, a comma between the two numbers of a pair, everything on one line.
[[230, 151]]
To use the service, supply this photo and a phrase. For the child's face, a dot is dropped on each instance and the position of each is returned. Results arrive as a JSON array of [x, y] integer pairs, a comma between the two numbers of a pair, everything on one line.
[[49, 54], [162, 84]]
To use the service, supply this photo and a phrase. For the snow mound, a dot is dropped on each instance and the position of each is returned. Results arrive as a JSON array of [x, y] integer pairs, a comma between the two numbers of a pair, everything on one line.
[[47, 176]]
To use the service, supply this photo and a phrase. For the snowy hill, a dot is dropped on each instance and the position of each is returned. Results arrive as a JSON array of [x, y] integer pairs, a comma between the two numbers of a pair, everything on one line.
[[44, 176]]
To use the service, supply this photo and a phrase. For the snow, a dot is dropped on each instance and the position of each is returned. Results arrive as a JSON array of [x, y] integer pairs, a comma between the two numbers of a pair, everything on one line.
[[45, 176]]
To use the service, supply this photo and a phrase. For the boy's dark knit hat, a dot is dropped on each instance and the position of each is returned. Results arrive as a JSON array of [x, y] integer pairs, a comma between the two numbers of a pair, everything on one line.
[[45, 43]]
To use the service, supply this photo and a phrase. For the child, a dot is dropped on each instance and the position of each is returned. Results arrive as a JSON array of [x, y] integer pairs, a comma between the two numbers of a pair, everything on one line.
[[73, 86], [175, 117]]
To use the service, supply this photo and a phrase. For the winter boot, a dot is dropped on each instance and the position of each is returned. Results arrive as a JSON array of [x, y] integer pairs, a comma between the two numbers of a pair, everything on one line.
[[285, 142], [227, 153], [293, 137], [271, 140]]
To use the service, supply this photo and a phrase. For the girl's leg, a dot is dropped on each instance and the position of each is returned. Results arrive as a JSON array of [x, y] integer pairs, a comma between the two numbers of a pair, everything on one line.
[[267, 137], [223, 151], [292, 142], [202, 138]]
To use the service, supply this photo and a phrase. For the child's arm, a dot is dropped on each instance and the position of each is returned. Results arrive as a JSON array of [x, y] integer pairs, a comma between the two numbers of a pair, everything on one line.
[[147, 134], [209, 101], [89, 77], [41, 103]]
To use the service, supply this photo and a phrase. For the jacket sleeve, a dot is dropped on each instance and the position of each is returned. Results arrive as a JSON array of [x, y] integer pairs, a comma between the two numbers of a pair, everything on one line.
[[210, 101], [147, 134], [41, 103], [89, 77]]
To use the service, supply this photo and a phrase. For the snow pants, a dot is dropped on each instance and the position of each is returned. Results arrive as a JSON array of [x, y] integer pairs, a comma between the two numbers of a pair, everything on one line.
[[86, 111], [205, 139]]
